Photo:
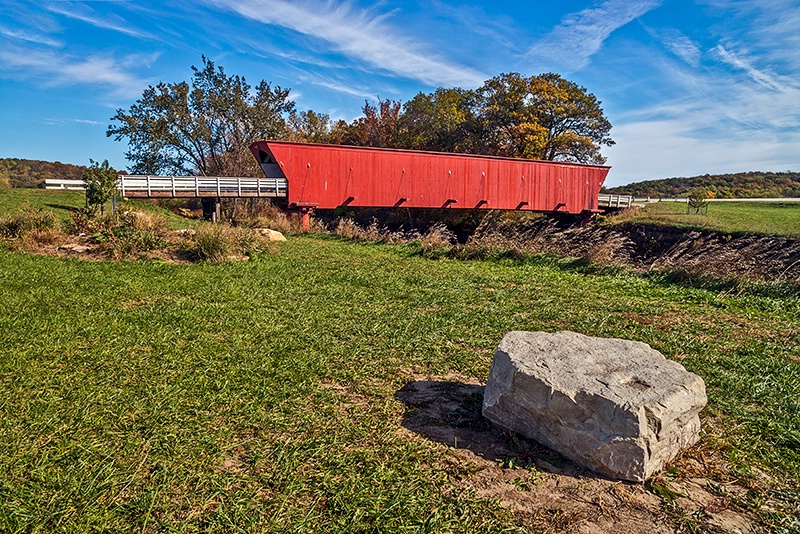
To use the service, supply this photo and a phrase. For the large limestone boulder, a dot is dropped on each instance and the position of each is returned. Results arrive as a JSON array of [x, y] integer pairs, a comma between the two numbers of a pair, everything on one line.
[[617, 407]]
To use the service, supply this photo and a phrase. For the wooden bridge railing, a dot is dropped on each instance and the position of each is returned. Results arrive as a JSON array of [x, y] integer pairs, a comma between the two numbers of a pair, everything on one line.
[[187, 186]]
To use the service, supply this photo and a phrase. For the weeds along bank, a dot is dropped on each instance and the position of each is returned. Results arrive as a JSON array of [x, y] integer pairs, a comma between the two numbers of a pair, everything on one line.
[[138, 230], [267, 396], [643, 247], [125, 234]]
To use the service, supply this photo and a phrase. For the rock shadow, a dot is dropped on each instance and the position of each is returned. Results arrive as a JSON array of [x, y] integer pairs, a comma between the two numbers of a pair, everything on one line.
[[449, 412], [547, 492]]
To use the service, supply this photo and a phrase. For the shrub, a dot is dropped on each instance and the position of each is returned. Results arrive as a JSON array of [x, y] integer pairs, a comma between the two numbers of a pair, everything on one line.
[[129, 232], [81, 221], [697, 200], [213, 242], [100, 180], [220, 242]]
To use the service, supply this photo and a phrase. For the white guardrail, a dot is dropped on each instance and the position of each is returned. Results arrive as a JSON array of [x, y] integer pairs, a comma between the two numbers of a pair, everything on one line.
[[69, 185], [614, 201], [185, 186], [685, 200]]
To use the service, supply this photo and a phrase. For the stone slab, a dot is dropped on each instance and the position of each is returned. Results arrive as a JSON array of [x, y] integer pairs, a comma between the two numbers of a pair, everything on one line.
[[617, 407]]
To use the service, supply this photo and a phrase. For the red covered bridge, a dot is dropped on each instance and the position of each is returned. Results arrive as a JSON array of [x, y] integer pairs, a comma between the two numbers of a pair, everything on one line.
[[314, 176], [330, 176]]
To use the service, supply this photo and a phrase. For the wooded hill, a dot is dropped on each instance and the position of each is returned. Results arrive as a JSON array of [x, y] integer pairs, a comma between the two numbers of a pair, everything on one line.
[[33, 172], [752, 184]]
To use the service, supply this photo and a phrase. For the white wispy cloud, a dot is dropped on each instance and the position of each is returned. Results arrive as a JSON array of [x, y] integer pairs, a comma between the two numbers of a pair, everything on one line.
[[474, 22], [359, 35], [682, 46], [53, 68], [339, 86], [736, 108], [89, 122], [85, 14], [570, 46], [760, 77], [52, 121], [718, 120], [21, 34]]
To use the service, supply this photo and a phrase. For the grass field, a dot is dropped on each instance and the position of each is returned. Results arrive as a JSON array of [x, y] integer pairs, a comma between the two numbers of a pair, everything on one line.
[[730, 217], [262, 396]]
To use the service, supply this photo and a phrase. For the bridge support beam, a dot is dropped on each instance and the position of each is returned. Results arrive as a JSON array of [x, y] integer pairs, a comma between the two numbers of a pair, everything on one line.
[[211, 209], [305, 217]]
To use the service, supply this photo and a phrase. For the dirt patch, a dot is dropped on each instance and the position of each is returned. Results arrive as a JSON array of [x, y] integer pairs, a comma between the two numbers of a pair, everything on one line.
[[87, 248], [548, 492]]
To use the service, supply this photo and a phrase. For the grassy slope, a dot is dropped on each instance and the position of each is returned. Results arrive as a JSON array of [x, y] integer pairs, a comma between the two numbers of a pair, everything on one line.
[[261, 395], [61, 202], [728, 217]]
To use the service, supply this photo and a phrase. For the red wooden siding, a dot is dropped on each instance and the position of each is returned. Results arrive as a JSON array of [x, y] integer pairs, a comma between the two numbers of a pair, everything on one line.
[[329, 176]]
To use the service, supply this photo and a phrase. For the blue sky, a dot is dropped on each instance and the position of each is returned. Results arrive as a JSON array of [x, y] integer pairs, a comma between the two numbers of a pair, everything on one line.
[[691, 87]]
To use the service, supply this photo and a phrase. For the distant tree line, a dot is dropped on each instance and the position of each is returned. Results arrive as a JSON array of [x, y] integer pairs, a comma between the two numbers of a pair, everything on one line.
[[32, 173], [205, 126], [752, 184]]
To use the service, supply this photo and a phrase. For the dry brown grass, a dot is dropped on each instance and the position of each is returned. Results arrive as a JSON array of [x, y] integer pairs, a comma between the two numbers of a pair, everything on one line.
[[260, 213], [221, 242], [36, 239], [129, 233], [437, 241], [373, 233], [28, 229]]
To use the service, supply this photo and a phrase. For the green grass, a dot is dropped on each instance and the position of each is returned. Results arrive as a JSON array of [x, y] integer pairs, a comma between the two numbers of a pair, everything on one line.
[[59, 201], [729, 217], [260, 396], [62, 202]]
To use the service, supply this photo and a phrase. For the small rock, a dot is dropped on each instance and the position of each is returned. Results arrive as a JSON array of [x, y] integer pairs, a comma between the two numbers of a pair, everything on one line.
[[271, 235], [74, 247], [617, 407]]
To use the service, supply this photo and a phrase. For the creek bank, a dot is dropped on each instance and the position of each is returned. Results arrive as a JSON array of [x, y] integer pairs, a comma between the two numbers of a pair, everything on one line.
[[645, 246]]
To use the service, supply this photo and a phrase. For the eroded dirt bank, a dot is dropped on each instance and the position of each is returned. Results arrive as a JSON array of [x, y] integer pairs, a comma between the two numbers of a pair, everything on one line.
[[646, 247]]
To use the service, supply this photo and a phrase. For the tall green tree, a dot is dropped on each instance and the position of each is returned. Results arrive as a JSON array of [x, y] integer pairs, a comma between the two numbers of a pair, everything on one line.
[[442, 121], [312, 127], [202, 127], [541, 117], [379, 127]]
